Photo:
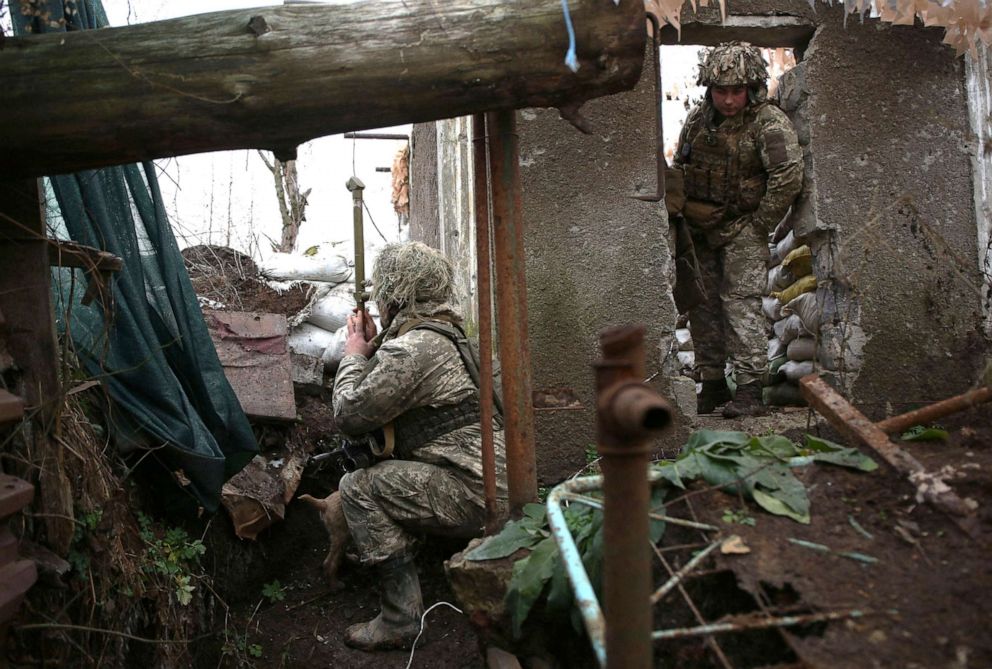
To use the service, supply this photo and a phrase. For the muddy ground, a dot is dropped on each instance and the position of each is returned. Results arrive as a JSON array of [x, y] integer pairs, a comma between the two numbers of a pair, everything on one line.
[[923, 597]]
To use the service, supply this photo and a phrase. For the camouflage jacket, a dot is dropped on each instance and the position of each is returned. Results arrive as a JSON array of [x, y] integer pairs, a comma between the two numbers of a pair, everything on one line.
[[417, 369], [748, 170]]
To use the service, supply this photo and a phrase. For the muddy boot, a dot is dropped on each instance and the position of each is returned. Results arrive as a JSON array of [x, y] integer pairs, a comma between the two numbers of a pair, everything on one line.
[[746, 403], [713, 394], [398, 623]]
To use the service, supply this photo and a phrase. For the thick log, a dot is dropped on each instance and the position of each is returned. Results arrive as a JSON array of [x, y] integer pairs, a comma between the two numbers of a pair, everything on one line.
[[276, 77]]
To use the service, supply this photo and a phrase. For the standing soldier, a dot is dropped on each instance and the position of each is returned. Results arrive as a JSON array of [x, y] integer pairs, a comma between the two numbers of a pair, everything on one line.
[[742, 168]]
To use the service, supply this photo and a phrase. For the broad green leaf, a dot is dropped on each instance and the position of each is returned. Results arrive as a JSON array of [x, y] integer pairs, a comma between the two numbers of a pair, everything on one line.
[[775, 445], [530, 575], [778, 507], [920, 433], [657, 527], [536, 512], [560, 595], [824, 450], [669, 471], [513, 537], [701, 439]]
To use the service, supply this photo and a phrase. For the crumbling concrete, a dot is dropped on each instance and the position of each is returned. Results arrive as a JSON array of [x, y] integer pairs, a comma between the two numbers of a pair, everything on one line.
[[596, 257]]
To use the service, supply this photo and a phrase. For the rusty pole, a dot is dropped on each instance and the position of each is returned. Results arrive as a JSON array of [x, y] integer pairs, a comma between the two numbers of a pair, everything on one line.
[[511, 309], [480, 166], [628, 412]]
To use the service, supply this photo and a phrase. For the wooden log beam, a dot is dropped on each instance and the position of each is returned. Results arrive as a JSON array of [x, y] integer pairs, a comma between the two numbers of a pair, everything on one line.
[[276, 77]]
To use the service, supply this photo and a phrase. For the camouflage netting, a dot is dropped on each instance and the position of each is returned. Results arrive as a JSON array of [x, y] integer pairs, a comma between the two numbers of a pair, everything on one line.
[[732, 64], [411, 272]]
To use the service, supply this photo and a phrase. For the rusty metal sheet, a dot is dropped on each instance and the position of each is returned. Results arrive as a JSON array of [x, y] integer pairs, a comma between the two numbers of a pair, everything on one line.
[[253, 351]]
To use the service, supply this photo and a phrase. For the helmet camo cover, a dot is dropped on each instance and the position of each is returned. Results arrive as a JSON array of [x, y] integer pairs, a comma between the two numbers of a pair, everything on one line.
[[732, 64]]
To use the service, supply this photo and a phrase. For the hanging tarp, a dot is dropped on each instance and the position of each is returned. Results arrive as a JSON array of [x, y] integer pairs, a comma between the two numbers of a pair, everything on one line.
[[170, 402]]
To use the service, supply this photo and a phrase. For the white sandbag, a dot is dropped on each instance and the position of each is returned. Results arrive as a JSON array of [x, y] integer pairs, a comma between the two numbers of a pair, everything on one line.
[[335, 350], [806, 308], [331, 310], [687, 359], [331, 267], [308, 339], [789, 328], [684, 339], [778, 278], [771, 307], [776, 349], [802, 348], [794, 371], [785, 247]]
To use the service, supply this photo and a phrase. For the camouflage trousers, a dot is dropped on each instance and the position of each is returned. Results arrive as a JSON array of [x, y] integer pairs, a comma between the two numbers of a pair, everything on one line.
[[390, 503], [728, 323]]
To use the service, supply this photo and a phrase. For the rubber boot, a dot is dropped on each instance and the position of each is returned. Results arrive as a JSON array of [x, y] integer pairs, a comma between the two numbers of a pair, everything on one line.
[[398, 623], [747, 402], [714, 393]]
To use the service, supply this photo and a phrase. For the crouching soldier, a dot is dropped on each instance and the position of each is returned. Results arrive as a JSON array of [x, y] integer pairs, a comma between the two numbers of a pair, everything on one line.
[[414, 382]]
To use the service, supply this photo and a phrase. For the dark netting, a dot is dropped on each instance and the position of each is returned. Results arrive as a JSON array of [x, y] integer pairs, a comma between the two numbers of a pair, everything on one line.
[[171, 406]]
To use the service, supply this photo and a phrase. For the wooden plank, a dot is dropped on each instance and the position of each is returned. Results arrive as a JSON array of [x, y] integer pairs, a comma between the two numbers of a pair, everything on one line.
[[253, 350], [25, 290], [275, 77]]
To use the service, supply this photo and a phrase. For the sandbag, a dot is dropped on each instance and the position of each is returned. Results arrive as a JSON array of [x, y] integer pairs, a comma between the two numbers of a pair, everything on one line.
[[331, 310], [806, 308], [799, 262], [317, 266], [788, 329], [775, 365], [684, 339], [804, 285], [783, 395], [687, 359], [771, 307], [776, 348], [802, 348], [783, 228], [779, 278], [309, 339], [794, 370], [786, 245], [335, 350]]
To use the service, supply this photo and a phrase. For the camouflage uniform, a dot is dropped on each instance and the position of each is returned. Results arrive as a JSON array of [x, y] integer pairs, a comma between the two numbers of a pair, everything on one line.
[[740, 178], [439, 488]]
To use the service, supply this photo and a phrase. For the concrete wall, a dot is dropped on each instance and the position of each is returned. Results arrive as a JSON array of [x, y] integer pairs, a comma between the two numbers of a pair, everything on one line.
[[892, 211], [596, 257]]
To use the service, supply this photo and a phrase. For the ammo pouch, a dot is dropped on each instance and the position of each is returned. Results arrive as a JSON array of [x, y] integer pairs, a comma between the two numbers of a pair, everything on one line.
[[689, 289], [674, 190], [422, 425]]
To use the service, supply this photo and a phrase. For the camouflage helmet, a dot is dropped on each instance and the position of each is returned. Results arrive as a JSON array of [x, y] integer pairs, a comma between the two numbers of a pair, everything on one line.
[[732, 64], [410, 272]]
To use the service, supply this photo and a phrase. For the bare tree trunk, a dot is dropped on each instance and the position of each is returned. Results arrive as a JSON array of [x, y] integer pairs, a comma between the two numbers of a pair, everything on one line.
[[292, 203]]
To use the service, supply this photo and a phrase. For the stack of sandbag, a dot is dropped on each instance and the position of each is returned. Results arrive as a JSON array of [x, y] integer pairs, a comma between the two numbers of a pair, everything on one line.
[[790, 307], [319, 329], [685, 354]]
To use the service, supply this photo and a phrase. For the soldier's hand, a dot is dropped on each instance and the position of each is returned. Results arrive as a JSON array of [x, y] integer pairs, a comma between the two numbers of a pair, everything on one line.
[[356, 342], [370, 330]]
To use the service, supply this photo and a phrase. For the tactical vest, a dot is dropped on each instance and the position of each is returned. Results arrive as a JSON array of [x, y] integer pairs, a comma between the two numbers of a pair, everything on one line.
[[421, 425], [714, 171]]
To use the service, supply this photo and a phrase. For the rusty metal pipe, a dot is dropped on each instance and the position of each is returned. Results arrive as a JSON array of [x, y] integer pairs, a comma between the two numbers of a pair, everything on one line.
[[628, 412], [936, 410], [511, 309], [480, 165]]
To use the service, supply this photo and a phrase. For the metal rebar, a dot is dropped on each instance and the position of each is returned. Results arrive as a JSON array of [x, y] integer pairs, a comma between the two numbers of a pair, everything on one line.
[[375, 135], [681, 573], [511, 310], [628, 413], [934, 411], [480, 165], [751, 623]]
